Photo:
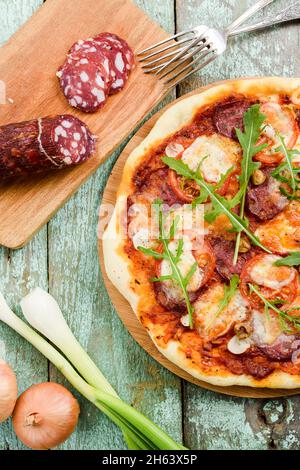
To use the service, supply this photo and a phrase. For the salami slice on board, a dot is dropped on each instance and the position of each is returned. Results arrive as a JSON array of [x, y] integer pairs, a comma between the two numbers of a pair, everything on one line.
[[90, 51], [44, 144], [121, 57], [95, 68], [85, 84]]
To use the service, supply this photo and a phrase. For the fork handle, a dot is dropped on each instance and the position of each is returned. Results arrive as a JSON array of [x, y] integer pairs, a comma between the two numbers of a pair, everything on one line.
[[288, 14], [246, 15]]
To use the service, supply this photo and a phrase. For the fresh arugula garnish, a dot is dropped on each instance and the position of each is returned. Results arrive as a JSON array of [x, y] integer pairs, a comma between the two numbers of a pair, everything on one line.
[[285, 319], [292, 260], [229, 292], [292, 180], [221, 205], [173, 259], [253, 120]]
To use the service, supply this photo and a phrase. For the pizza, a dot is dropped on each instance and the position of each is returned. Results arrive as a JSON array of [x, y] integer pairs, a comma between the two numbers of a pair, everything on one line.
[[203, 240]]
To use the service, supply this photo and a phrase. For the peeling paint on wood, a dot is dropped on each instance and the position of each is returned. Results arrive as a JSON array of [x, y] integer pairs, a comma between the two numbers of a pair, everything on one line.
[[63, 258]]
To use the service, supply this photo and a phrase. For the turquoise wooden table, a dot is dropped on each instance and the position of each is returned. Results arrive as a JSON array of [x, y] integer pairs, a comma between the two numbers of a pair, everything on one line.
[[63, 258]]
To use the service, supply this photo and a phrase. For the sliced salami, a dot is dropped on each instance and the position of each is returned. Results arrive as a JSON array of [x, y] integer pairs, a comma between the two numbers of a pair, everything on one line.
[[88, 51], [85, 84], [121, 59], [265, 200], [95, 68], [224, 253], [228, 116], [44, 144], [282, 348]]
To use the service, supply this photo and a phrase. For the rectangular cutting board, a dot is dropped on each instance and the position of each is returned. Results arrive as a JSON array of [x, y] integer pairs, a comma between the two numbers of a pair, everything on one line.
[[28, 64]]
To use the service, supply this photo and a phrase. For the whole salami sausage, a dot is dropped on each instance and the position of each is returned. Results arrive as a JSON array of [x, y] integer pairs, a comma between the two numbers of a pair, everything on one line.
[[44, 144]]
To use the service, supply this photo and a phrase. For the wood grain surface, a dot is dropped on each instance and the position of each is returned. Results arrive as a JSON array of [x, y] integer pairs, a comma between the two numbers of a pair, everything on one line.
[[63, 258], [122, 306], [38, 49]]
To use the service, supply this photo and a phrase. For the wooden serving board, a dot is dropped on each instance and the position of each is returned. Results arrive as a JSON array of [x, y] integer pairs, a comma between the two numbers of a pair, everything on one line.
[[28, 64], [122, 306]]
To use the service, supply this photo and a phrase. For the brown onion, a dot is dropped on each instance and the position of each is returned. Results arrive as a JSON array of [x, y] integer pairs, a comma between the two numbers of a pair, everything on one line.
[[45, 416], [8, 391]]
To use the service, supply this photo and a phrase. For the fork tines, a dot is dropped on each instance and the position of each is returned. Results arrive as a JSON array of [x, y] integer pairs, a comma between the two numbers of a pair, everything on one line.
[[180, 53]]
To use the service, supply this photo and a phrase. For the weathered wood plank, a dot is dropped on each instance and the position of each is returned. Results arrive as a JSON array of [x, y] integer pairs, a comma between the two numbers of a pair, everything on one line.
[[75, 281], [13, 14], [20, 270], [212, 421]]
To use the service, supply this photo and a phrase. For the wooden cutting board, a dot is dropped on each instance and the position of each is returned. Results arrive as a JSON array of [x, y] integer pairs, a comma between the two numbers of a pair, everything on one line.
[[28, 63], [122, 306]]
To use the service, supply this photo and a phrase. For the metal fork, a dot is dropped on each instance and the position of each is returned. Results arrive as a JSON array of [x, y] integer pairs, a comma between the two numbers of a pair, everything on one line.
[[201, 44]]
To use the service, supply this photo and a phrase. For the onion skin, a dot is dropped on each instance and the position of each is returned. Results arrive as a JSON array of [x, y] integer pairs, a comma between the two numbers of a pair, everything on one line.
[[8, 391], [45, 416]]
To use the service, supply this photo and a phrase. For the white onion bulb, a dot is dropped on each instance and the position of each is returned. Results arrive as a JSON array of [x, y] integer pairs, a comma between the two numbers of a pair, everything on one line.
[[8, 391]]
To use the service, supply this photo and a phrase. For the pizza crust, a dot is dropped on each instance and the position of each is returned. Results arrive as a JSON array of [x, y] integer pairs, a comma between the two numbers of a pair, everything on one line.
[[116, 262]]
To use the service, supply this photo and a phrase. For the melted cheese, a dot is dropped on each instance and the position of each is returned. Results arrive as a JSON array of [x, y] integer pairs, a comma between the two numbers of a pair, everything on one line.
[[187, 259], [139, 228], [206, 307], [143, 230], [266, 328], [282, 233], [190, 221], [215, 154], [279, 121], [264, 273], [141, 238], [276, 196]]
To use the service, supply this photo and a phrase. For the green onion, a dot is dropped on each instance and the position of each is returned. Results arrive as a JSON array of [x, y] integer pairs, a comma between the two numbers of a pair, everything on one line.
[[44, 314]]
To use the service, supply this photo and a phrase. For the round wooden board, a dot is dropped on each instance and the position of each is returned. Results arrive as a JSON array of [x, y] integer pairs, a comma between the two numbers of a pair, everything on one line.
[[123, 308]]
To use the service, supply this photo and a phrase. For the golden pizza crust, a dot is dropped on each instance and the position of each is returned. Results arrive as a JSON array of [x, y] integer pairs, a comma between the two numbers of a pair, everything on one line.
[[115, 260]]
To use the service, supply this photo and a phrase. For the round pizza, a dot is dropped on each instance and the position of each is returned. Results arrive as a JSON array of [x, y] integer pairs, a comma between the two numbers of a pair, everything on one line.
[[204, 237]]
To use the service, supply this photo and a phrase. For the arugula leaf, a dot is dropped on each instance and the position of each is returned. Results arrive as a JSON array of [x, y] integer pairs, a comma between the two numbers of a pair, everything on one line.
[[287, 167], [253, 120], [176, 276], [229, 292], [288, 157], [292, 260], [284, 318], [220, 204], [149, 252]]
